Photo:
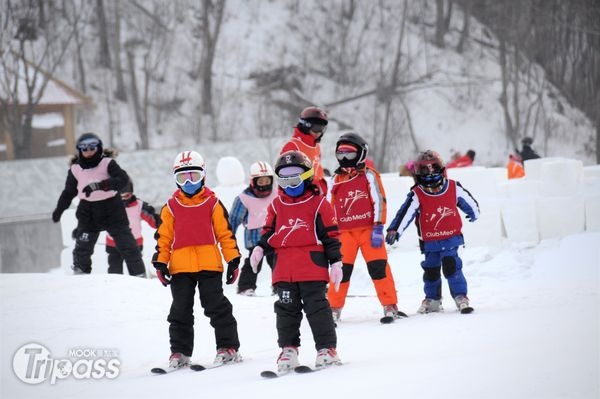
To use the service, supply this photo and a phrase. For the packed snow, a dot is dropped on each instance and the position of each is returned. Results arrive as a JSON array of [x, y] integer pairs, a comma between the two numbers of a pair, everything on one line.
[[534, 332]]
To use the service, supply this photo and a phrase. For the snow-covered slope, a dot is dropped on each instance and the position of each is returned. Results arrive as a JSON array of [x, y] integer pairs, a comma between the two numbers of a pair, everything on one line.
[[452, 107], [534, 333]]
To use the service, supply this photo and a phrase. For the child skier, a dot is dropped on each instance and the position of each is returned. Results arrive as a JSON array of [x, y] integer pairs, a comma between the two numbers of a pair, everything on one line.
[[250, 208], [311, 126], [358, 199], [301, 229], [434, 201], [137, 210], [193, 223], [95, 177]]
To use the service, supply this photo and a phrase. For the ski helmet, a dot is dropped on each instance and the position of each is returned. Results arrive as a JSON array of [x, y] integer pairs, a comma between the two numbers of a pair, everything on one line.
[[345, 156], [312, 118], [88, 140], [295, 173], [188, 170], [430, 170], [527, 141], [257, 170], [188, 160], [293, 158]]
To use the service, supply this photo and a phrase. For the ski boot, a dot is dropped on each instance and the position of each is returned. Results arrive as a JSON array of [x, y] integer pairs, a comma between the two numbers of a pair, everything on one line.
[[336, 313], [430, 305], [462, 304], [248, 292], [227, 355], [326, 357], [392, 311], [177, 360], [288, 359]]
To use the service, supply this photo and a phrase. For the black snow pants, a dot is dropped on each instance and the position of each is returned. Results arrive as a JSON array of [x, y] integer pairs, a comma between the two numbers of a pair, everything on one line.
[[115, 260], [110, 215], [247, 277], [216, 307], [309, 296]]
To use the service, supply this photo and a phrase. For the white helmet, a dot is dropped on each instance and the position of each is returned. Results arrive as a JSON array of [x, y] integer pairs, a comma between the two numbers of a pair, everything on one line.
[[188, 160], [259, 169]]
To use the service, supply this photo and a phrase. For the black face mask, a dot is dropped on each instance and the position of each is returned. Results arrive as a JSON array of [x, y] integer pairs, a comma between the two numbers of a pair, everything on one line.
[[262, 191], [88, 163]]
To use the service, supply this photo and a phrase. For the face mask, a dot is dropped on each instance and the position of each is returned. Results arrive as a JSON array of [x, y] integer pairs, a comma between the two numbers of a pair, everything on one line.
[[295, 191], [192, 188]]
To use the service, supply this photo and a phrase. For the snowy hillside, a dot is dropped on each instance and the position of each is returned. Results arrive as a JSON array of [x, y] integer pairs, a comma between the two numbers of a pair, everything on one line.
[[446, 100], [534, 333]]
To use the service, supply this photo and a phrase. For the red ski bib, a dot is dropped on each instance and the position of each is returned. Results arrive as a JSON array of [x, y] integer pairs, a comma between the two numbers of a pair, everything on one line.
[[439, 218]]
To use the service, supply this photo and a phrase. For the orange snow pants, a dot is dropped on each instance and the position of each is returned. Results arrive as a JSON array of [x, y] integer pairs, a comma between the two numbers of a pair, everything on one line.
[[377, 266]]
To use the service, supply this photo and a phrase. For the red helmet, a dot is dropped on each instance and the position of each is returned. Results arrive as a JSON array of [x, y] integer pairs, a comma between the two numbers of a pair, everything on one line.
[[430, 170], [312, 117]]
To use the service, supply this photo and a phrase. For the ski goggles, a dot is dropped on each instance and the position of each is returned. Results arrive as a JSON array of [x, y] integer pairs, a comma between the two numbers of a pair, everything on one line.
[[295, 180], [318, 128], [88, 145], [349, 156], [193, 176]]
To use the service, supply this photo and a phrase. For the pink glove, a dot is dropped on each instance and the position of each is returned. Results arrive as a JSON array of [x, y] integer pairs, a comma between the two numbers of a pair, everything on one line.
[[255, 258], [336, 274]]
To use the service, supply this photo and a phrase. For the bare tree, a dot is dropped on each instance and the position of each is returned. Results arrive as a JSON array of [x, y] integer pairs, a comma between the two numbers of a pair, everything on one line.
[[464, 33], [388, 97], [104, 53], [150, 40], [30, 55], [209, 18], [120, 92]]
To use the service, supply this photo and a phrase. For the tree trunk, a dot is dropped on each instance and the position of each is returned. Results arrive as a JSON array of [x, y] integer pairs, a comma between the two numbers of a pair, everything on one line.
[[80, 64], [210, 35], [104, 49], [464, 33], [120, 92], [504, 96], [439, 23], [141, 123], [381, 159]]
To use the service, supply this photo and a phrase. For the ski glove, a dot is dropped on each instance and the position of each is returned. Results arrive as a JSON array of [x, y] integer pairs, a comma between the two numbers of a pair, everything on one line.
[[232, 270], [103, 185], [162, 272], [56, 215], [255, 258], [377, 236], [392, 236], [336, 274], [471, 218]]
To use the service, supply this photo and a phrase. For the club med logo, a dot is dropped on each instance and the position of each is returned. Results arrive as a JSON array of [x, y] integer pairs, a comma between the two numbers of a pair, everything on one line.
[[345, 219], [352, 197], [293, 225], [440, 234], [33, 364]]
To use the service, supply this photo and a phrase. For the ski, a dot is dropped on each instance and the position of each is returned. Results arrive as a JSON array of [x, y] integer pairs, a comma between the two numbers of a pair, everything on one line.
[[167, 370], [193, 367], [200, 367], [269, 374], [391, 319], [307, 369], [466, 310]]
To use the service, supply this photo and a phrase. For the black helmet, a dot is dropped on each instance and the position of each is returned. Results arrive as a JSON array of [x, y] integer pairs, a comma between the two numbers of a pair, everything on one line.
[[293, 158], [430, 170], [527, 141], [356, 141], [87, 139], [312, 118]]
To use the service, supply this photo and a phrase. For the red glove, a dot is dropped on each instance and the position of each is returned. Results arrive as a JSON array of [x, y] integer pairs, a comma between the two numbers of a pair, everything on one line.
[[162, 272]]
